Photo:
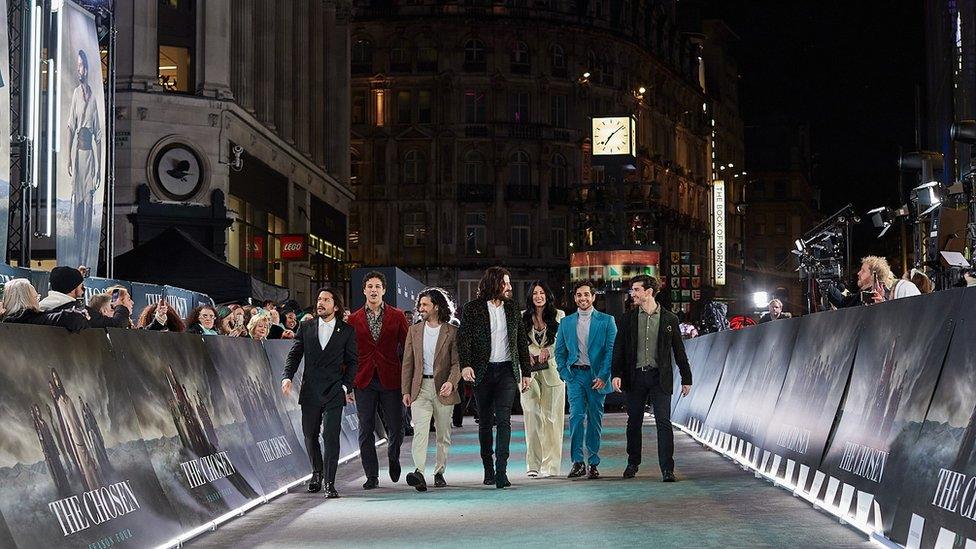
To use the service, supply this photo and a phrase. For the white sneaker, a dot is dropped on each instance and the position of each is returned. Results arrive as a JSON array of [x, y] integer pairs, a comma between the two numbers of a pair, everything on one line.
[[544, 475], [533, 474]]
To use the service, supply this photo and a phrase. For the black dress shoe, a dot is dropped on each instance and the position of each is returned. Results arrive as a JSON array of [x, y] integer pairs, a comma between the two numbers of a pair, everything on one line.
[[439, 481], [408, 432], [489, 477], [330, 491], [371, 482], [630, 471], [593, 474], [501, 481], [395, 471], [315, 483], [669, 476], [578, 470], [417, 480]]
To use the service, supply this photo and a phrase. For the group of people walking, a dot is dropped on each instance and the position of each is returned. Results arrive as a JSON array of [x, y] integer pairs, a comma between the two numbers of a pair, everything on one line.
[[539, 355]]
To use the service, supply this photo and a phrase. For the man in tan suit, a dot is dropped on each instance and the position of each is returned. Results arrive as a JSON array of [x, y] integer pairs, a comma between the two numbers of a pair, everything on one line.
[[431, 371]]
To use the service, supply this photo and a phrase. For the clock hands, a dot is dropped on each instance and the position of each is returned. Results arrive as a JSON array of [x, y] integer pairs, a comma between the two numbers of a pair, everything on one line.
[[611, 134]]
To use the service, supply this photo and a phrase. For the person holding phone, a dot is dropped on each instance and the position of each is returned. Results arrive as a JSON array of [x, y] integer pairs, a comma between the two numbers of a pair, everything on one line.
[[112, 309]]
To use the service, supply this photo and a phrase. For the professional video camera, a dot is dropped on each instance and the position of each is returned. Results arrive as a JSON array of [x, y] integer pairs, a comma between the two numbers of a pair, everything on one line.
[[823, 256]]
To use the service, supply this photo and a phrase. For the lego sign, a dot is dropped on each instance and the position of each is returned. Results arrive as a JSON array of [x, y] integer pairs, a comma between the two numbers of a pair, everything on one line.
[[294, 247], [718, 207]]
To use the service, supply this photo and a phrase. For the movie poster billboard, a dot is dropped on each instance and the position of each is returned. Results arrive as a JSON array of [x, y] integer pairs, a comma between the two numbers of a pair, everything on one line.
[[80, 134], [936, 473], [693, 349], [184, 301], [74, 470], [5, 130], [737, 363], [705, 379], [277, 350], [815, 381], [760, 386], [8, 273], [897, 364], [244, 386], [192, 441]]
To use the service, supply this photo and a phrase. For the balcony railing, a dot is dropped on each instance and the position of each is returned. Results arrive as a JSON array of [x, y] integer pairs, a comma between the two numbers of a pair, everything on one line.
[[475, 66], [476, 192], [522, 192]]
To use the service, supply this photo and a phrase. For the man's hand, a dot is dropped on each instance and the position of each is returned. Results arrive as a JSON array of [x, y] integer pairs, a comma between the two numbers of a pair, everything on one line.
[[406, 400], [446, 389], [526, 381], [350, 398], [685, 389], [468, 374], [286, 387], [615, 383], [878, 298], [599, 384]]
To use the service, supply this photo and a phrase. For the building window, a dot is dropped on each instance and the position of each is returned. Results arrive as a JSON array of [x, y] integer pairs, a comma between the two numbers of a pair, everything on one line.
[[760, 224], [423, 107], [467, 290], [557, 233], [414, 168], [758, 189], [781, 188], [176, 35], [760, 255], [559, 181], [399, 57], [427, 58], [174, 69], [519, 173], [520, 107], [520, 58], [781, 256], [558, 60], [593, 66], [475, 233], [780, 224], [358, 107], [403, 107], [379, 100], [414, 229], [557, 110], [362, 57], [474, 55], [520, 234], [474, 166], [474, 107]]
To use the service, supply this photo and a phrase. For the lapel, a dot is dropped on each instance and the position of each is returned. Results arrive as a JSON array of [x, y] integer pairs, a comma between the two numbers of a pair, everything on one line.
[[418, 347], [571, 342], [632, 329], [336, 333], [441, 337]]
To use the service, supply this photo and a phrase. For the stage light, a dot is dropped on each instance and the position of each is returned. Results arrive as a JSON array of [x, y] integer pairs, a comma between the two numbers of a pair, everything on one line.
[[881, 219], [928, 197], [760, 299], [964, 131]]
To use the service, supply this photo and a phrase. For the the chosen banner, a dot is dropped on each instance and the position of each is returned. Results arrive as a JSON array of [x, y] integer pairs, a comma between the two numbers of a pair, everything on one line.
[[811, 395], [74, 469], [936, 473], [80, 134], [193, 442], [694, 348], [737, 363], [897, 364], [705, 376], [244, 386], [5, 134]]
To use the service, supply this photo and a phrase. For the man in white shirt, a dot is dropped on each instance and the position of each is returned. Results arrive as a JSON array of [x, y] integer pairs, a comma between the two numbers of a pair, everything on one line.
[[431, 372]]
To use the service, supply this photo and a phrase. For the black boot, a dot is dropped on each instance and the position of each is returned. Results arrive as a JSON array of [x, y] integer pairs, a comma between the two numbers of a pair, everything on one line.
[[315, 483], [578, 470], [330, 491], [489, 475]]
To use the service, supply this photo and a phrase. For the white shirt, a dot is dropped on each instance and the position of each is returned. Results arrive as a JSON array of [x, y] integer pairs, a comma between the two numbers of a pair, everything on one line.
[[499, 333], [905, 288], [430, 345], [583, 336], [325, 331]]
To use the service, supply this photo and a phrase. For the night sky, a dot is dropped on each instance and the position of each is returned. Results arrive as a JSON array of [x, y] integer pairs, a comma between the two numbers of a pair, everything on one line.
[[849, 69]]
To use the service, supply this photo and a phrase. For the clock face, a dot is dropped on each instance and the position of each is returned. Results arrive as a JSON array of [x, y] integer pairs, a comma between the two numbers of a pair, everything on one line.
[[613, 135], [178, 171]]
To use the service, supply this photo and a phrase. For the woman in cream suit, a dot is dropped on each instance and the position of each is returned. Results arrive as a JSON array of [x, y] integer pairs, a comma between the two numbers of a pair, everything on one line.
[[544, 401]]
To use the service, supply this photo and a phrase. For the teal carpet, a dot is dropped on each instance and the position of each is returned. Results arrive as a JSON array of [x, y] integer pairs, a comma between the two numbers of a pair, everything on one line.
[[714, 504]]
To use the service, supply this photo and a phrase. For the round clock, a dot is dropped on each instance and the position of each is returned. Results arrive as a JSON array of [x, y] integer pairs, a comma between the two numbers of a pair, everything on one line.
[[613, 135], [178, 171]]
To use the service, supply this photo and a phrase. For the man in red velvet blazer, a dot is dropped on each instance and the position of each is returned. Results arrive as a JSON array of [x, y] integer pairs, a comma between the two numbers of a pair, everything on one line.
[[381, 332]]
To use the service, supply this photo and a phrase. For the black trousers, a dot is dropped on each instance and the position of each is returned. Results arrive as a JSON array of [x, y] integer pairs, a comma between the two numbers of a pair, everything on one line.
[[368, 401], [495, 396], [312, 419], [644, 385]]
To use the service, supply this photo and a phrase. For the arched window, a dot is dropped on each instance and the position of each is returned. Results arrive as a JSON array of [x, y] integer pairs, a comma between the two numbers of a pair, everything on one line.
[[474, 168], [362, 56], [474, 51], [559, 179], [400, 56], [558, 55], [520, 57], [414, 168], [594, 67], [426, 57], [519, 173]]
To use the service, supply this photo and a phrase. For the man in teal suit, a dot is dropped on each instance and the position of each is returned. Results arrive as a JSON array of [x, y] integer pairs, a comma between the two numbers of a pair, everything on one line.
[[584, 352]]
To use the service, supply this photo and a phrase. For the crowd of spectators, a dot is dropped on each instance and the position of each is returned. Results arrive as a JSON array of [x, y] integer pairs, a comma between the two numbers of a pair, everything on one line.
[[64, 306]]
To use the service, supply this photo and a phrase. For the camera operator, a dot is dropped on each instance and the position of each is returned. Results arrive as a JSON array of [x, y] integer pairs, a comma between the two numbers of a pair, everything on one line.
[[876, 284]]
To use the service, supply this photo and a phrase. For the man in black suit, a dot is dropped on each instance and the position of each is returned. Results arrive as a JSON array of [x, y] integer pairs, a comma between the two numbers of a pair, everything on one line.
[[642, 368], [327, 344]]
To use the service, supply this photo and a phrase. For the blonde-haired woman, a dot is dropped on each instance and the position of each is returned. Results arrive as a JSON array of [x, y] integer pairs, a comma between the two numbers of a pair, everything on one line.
[[258, 326], [21, 306]]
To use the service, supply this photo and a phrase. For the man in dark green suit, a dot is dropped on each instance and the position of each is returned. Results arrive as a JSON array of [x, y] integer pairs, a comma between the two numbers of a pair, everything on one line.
[[494, 350]]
